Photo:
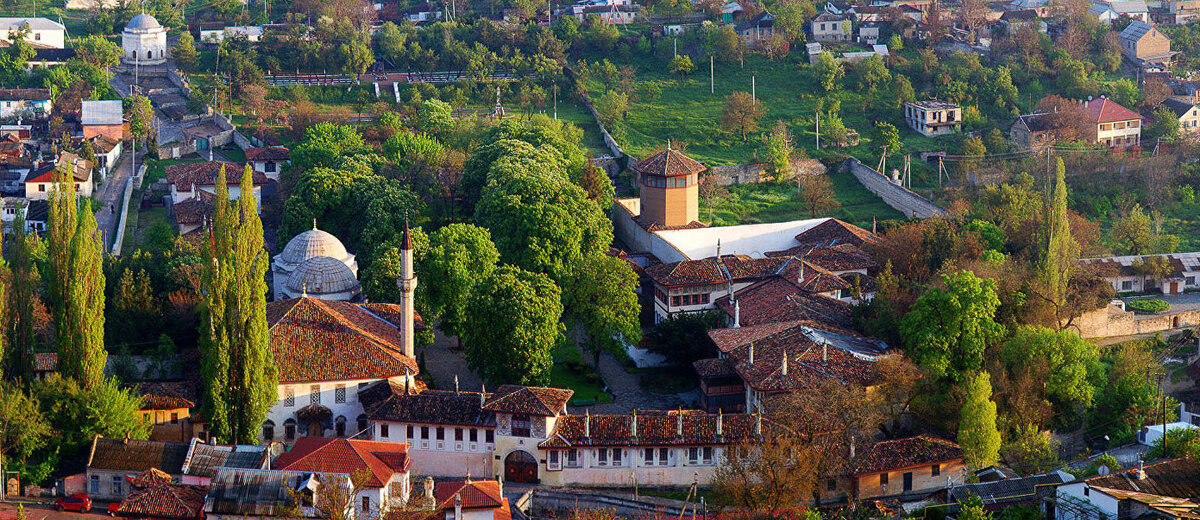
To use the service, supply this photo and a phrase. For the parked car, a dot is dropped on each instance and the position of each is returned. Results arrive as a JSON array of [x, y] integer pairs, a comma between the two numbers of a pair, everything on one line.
[[113, 507], [79, 503]]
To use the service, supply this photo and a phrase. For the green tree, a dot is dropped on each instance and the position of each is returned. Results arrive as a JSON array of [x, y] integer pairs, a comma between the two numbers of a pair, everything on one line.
[[741, 113], [727, 44], [977, 433], [895, 43], [512, 326], [98, 51], [902, 91], [141, 115], [829, 72], [600, 296], [791, 19], [889, 136], [23, 428], [948, 329], [460, 257], [185, 53], [390, 40], [683, 338], [239, 366], [1062, 251], [871, 72], [1164, 125], [20, 309], [682, 65], [435, 117], [1031, 451], [134, 314], [78, 414], [78, 287], [612, 107], [973, 150], [1137, 233], [779, 151], [1071, 363], [356, 57], [324, 144], [972, 509]]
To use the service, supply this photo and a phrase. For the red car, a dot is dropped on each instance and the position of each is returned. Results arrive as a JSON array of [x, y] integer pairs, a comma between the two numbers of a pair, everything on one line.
[[113, 507], [79, 503]]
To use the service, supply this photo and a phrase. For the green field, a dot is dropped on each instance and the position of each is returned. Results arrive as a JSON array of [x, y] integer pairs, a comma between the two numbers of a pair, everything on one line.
[[561, 376], [770, 202]]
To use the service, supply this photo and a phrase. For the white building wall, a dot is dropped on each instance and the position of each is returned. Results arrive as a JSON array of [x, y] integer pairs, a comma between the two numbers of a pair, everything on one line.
[[1076, 501], [302, 395]]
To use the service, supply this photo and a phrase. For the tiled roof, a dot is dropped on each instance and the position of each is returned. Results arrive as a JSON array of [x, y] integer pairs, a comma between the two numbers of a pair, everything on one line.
[[80, 168], [318, 340], [1104, 110], [1179, 108], [136, 455], [167, 395], [840, 257], [807, 364], [45, 361], [715, 367], [186, 176], [149, 478], [668, 163], [528, 400], [338, 455], [268, 153], [654, 428], [833, 232], [392, 313], [156, 497], [24, 94], [204, 459], [389, 401], [1170, 478], [711, 270], [816, 279], [897, 454], [779, 299], [1011, 490], [476, 494]]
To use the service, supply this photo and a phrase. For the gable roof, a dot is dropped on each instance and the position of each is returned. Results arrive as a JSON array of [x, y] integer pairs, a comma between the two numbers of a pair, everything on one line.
[[268, 153], [1170, 478], [475, 494], [528, 400], [319, 340], [391, 401], [844, 358], [24, 94], [155, 496], [136, 455], [203, 459], [898, 454], [186, 176], [1104, 110], [654, 428], [105, 112], [832, 232], [1136, 30], [260, 493], [713, 270], [668, 163], [1180, 108], [339, 455], [779, 299], [167, 395]]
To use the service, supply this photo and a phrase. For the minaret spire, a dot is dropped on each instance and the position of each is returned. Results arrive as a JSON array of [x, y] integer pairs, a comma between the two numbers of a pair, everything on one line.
[[407, 283]]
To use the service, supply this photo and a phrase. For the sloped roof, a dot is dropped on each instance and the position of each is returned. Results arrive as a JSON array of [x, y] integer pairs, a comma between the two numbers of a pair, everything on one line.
[[832, 232], [136, 455], [167, 395], [713, 270], [528, 400], [338, 455], [106, 112], [1136, 30], [1104, 110], [847, 359], [778, 298], [24, 94], [187, 175], [318, 340], [268, 153], [654, 428], [668, 163], [1170, 478], [391, 401], [1180, 108], [155, 496], [476, 494], [35, 24], [898, 454], [203, 459], [263, 493]]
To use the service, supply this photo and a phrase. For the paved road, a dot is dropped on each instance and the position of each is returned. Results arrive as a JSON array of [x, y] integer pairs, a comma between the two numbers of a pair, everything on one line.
[[628, 394], [110, 195], [43, 511], [443, 363]]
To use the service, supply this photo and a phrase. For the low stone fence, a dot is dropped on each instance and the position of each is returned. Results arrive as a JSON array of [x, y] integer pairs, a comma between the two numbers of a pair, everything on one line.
[[751, 173], [1113, 321], [611, 143], [557, 502], [898, 197]]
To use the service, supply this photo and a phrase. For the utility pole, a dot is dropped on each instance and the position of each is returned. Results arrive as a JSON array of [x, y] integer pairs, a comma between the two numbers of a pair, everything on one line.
[[712, 84], [818, 129], [675, 43], [753, 87], [556, 102]]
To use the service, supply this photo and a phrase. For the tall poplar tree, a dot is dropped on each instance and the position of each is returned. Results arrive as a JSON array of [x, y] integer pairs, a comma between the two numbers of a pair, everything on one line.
[[1061, 248], [977, 433], [19, 362], [76, 285], [237, 367]]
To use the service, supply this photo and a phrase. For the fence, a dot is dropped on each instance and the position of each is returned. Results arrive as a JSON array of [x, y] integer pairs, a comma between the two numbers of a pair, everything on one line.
[[119, 236], [282, 80], [567, 500], [898, 197], [583, 97]]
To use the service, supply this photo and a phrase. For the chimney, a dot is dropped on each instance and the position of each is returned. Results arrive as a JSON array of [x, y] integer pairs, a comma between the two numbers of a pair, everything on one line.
[[679, 423], [785, 363], [458, 506], [633, 424], [758, 423], [456, 383], [720, 422], [825, 351], [752, 353], [1141, 471], [500, 486], [587, 424], [482, 394], [851, 448], [737, 314], [800, 279], [429, 491]]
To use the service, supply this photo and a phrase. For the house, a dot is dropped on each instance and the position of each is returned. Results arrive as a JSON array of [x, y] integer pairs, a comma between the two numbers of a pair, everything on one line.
[[1167, 489], [1013, 21], [827, 27], [1041, 6], [729, 11], [168, 405], [910, 466], [612, 14], [1103, 13], [669, 190], [385, 464], [188, 179], [997, 495], [268, 160], [107, 150], [153, 495], [868, 33], [1188, 115], [1182, 11], [467, 500], [1116, 126], [757, 30], [1169, 273], [36, 217], [326, 353], [1133, 9], [25, 103], [194, 214], [1152, 434], [202, 460], [1141, 42], [422, 12], [42, 32], [239, 493], [112, 461], [1032, 132], [41, 180], [104, 118], [694, 285], [932, 118]]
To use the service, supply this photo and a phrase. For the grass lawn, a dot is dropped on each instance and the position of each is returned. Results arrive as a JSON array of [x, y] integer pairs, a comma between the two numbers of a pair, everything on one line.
[[770, 202], [145, 218], [128, 241], [561, 376], [233, 153]]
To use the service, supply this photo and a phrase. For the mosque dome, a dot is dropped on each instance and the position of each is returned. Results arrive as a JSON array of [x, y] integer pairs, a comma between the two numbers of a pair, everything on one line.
[[144, 22], [323, 275], [311, 244]]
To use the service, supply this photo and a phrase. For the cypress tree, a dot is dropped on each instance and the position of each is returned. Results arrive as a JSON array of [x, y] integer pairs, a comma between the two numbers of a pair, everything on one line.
[[21, 296], [977, 433], [238, 368], [85, 301], [1061, 248], [62, 221]]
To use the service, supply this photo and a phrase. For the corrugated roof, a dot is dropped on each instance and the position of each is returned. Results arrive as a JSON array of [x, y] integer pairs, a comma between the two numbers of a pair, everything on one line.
[[105, 112]]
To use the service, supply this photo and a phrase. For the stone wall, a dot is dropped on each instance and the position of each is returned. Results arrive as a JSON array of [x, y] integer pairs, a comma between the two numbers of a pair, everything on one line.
[[1112, 321], [564, 501], [898, 197], [587, 103], [750, 173]]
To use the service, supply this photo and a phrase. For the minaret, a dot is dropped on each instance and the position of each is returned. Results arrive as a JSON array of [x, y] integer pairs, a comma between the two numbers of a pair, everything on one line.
[[408, 287]]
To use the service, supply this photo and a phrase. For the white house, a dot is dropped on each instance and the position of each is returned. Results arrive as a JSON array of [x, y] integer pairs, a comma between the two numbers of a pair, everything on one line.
[[385, 464], [186, 179], [1167, 273], [1160, 490], [40, 181], [26, 103], [269, 160], [42, 32]]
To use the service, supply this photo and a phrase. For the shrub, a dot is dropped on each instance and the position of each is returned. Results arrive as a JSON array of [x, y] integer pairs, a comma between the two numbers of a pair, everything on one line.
[[1148, 305]]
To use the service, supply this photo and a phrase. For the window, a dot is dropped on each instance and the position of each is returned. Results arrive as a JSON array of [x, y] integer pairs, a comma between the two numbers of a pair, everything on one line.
[[339, 394], [489, 436], [95, 484], [268, 432], [831, 485], [662, 296], [649, 456], [383, 431], [675, 301], [552, 460], [289, 397], [616, 457], [573, 458], [174, 417], [474, 435], [314, 394], [366, 504], [441, 433], [937, 470], [520, 425], [1087, 491], [340, 426], [707, 455], [410, 432], [693, 455], [601, 457], [1191, 280], [289, 430], [1135, 123], [41, 187], [116, 486], [663, 454], [1127, 285], [883, 479], [458, 434], [425, 432], [37, 36], [908, 481]]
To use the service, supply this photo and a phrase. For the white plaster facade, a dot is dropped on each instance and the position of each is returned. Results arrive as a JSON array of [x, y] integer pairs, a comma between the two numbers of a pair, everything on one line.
[[144, 41]]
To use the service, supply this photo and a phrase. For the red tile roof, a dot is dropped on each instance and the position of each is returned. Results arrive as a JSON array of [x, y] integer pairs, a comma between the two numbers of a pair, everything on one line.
[[194, 210], [186, 176], [391, 401], [1104, 110], [808, 363], [268, 153], [904, 453], [711, 270], [780, 299], [149, 478], [834, 231], [155, 496], [1178, 477], [476, 494], [528, 400], [337, 455], [319, 340], [668, 163], [80, 168], [654, 428], [167, 395]]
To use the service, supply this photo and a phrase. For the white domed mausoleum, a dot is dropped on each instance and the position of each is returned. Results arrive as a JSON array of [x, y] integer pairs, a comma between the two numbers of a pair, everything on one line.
[[310, 264], [144, 41]]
